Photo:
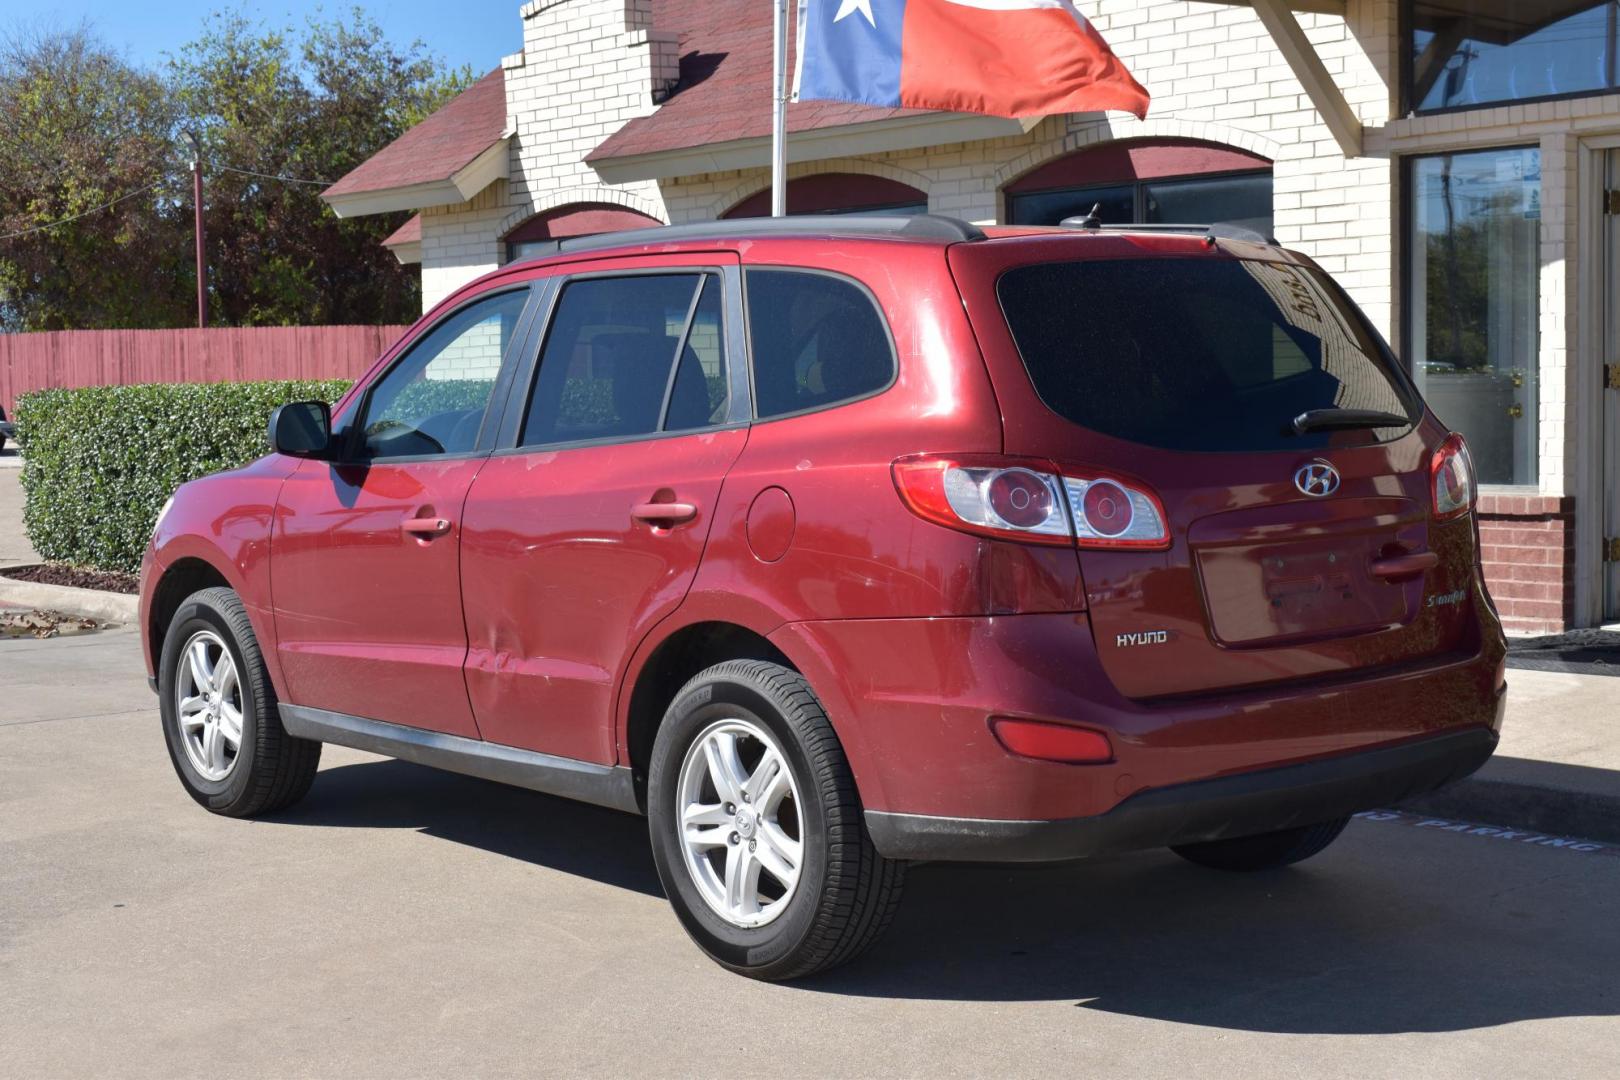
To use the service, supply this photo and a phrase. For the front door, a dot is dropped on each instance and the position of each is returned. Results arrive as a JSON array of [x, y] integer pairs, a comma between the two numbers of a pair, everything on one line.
[[365, 553], [589, 529]]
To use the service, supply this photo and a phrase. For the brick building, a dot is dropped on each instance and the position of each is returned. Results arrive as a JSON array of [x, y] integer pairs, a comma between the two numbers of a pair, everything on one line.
[[1446, 160]]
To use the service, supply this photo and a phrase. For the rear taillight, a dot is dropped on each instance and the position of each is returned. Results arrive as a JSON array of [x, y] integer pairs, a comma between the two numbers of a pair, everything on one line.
[[1108, 513], [993, 497], [1451, 479], [1029, 501]]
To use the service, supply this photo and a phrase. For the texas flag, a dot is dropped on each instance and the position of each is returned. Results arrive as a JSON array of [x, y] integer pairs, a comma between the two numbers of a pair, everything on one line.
[[1002, 57]]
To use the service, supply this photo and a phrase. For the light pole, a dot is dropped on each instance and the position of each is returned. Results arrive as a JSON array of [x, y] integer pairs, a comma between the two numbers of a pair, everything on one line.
[[197, 204]]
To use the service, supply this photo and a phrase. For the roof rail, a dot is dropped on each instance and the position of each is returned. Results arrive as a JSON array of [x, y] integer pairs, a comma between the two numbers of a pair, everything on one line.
[[1220, 230], [913, 227]]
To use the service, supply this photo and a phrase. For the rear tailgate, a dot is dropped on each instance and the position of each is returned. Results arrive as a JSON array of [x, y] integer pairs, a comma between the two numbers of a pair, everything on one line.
[[1176, 366]]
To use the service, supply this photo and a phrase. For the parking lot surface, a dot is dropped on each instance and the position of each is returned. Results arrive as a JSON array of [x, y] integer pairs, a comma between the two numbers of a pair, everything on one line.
[[404, 922]]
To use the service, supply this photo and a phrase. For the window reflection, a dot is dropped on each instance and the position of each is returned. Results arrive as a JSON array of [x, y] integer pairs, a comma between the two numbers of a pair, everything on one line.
[[1473, 52], [1474, 266]]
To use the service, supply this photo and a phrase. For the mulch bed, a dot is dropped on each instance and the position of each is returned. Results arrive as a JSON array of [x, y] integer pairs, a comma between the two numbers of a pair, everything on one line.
[[1583, 652], [57, 574]]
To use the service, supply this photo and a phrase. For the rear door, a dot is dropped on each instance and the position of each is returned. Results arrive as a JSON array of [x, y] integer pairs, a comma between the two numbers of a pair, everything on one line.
[[587, 527], [1179, 368], [365, 552]]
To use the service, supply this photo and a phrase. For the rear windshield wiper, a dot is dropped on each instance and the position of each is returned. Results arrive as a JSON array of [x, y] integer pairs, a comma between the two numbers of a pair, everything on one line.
[[1346, 420]]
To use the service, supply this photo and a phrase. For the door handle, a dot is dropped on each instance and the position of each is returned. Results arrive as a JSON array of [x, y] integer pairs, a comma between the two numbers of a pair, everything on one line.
[[1398, 566], [426, 526], [664, 514]]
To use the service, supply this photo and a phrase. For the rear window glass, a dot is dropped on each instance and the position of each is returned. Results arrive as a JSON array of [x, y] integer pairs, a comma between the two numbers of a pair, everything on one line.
[[816, 340], [1200, 354]]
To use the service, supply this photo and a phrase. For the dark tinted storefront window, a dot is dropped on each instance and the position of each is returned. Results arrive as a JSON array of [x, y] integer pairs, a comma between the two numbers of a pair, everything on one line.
[[1474, 52], [1243, 199], [1473, 280]]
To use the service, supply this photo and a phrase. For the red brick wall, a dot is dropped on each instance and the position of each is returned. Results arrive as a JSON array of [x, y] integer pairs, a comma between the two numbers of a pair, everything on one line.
[[1528, 546]]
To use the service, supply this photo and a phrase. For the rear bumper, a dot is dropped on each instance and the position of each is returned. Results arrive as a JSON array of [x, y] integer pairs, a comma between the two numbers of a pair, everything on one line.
[[912, 701], [1227, 806]]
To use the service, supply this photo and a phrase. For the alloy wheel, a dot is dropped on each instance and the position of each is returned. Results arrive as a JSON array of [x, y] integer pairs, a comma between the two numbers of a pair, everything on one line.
[[208, 705], [738, 805]]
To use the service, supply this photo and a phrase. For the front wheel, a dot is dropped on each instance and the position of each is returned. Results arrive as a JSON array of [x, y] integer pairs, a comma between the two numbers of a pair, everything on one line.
[[757, 830], [1267, 851], [219, 713]]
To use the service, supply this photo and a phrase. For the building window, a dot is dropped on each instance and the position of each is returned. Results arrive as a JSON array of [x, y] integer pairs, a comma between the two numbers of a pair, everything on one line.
[[1170, 181], [838, 193], [1475, 52], [536, 235], [1473, 284]]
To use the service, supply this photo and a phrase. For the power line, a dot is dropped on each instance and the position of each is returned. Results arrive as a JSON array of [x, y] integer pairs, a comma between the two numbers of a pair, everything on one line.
[[87, 213], [152, 187], [270, 176]]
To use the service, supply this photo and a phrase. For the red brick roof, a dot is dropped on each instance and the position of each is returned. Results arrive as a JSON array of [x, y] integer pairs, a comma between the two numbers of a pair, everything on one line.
[[724, 91], [439, 146]]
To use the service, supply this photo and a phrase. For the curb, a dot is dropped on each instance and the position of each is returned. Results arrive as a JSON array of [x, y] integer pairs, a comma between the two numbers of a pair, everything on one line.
[[1589, 815], [87, 603]]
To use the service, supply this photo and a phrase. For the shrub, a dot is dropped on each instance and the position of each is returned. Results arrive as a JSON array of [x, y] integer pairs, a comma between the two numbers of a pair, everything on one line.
[[100, 462]]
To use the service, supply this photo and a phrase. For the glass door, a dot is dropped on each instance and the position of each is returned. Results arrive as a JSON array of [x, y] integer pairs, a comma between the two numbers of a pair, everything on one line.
[[1611, 398]]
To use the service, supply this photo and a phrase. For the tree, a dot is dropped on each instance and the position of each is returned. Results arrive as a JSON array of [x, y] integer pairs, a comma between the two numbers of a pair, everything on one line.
[[266, 111], [80, 128], [279, 116]]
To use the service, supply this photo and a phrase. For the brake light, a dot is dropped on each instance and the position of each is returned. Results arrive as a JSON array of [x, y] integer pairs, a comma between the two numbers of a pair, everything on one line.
[[992, 497], [1108, 513], [1026, 500], [1451, 479]]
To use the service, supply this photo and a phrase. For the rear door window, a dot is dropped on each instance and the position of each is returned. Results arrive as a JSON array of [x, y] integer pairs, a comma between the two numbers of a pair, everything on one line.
[[630, 356], [1204, 354], [816, 340]]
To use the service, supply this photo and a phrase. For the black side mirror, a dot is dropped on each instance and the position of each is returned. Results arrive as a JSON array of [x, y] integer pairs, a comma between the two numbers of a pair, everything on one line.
[[302, 429]]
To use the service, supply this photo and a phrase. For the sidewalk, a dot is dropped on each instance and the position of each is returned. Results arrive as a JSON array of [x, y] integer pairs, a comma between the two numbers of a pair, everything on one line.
[[14, 548], [1557, 769]]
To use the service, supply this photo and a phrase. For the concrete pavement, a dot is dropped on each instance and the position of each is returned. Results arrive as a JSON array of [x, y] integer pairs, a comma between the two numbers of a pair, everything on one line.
[[402, 922], [14, 546]]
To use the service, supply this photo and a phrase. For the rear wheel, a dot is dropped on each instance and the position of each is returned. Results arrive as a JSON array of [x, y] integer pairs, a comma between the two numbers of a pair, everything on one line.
[[757, 830], [1267, 851], [219, 713]]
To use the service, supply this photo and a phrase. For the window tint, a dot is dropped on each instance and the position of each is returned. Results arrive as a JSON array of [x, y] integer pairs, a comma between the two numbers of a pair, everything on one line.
[[433, 400], [1199, 354], [816, 340], [609, 367]]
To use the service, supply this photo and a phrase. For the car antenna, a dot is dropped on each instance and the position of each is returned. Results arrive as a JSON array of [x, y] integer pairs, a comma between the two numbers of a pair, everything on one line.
[[1093, 218]]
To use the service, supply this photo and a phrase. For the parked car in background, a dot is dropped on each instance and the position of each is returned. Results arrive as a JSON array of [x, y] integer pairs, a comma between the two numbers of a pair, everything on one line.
[[8, 430], [836, 544]]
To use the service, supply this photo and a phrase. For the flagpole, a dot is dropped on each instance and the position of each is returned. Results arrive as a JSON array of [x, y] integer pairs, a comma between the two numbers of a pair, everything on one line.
[[779, 119]]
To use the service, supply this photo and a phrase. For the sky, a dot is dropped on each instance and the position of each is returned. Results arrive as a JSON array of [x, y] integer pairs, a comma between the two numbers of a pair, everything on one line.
[[473, 32]]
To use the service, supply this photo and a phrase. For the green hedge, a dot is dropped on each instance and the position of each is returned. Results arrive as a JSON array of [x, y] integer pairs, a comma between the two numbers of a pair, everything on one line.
[[99, 462]]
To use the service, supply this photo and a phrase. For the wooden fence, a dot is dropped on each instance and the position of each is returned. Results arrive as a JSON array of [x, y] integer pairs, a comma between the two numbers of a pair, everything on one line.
[[113, 357]]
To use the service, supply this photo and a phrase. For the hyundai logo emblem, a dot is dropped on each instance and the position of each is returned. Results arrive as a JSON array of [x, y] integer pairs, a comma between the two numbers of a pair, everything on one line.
[[1317, 478]]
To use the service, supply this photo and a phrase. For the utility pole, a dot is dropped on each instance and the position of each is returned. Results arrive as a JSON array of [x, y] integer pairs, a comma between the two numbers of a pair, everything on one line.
[[197, 204], [779, 98]]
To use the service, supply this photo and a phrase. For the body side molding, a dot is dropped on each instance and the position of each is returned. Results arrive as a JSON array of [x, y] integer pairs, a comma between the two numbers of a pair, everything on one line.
[[604, 785]]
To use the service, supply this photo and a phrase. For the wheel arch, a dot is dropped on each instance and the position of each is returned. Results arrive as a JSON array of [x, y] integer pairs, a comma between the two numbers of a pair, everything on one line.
[[678, 650]]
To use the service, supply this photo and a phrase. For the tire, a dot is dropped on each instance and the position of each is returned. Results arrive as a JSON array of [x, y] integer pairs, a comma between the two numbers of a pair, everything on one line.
[[1267, 851], [845, 894], [269, 770]]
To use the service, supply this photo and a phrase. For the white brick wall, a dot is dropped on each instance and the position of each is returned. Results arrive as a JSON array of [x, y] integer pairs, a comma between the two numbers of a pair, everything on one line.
[[587, 66]]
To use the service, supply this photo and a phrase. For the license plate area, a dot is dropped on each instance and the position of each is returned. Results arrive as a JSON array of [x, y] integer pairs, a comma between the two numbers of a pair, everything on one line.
[[1313, 588]]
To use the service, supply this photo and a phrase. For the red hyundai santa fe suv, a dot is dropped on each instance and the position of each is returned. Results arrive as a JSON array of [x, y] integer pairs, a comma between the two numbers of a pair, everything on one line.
[[832, 544]]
